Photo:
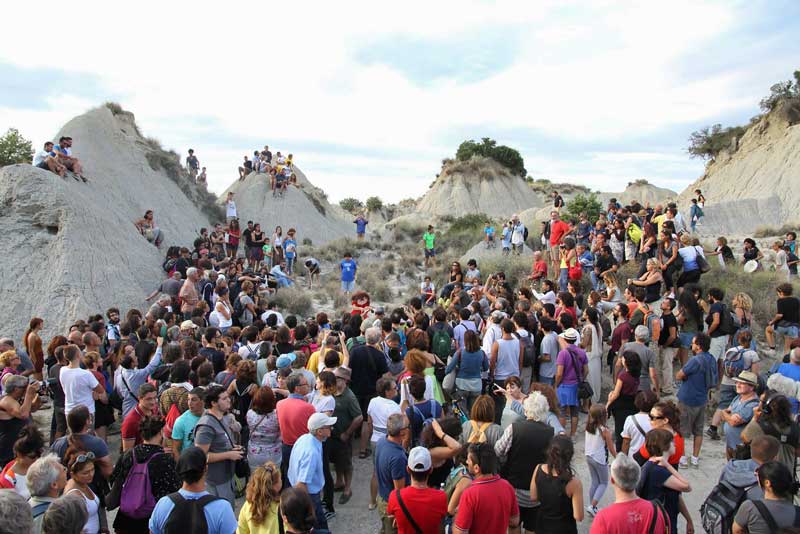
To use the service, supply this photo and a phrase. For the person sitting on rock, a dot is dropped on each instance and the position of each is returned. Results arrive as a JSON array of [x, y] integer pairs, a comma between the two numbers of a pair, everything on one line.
[[245, 169], [148, 228], [46, 159], [279, 272], [63, 151], [202, 178]]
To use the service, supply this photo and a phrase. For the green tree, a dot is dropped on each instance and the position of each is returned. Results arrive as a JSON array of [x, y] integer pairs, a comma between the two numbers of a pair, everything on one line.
[[589, 205], [374, 203], [351, 204], [488, 148], [708, 142], [14, 148], [777, 93]]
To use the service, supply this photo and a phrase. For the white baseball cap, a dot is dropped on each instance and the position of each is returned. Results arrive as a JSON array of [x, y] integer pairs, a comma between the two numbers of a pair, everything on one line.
[[419, 459]]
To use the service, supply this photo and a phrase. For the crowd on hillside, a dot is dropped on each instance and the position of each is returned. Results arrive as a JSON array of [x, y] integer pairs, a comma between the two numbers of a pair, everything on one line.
[[238, 417]]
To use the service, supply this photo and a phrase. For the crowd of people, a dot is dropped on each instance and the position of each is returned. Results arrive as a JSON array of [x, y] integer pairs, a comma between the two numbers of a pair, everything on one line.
[[237, 417]]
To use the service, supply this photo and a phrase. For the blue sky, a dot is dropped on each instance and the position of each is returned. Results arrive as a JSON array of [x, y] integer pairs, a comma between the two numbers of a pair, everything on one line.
[[370, 97]]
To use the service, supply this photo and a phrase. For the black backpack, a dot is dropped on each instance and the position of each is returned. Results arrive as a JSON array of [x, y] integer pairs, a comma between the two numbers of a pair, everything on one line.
[[717, 511], [528, 349], [188, 515]]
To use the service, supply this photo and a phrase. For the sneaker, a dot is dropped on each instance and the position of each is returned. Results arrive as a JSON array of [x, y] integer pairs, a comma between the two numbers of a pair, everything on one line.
[[591, 510], [695, 462], [329, 515], [684, 462], [712, 433]]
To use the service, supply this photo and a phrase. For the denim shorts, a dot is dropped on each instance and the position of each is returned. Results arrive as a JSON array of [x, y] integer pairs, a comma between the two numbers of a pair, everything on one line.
[[686, 339], [348, 286], [788, 331]]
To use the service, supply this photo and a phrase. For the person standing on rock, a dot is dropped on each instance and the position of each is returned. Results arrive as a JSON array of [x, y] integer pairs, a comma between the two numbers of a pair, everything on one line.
[[558, 201], [558, 229], [429, 238], [517, 235], [230, 208], [361, 227], [192, 165]]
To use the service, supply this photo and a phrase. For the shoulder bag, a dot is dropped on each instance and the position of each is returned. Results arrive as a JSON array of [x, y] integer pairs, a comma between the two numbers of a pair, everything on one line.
[[406, 513], [585, 390]]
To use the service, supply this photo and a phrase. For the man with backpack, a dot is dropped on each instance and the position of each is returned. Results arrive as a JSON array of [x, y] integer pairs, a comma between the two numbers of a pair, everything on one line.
[[528, 348], [737, 483], [192, 508], [648, 379], [737, 359], [698, 376]]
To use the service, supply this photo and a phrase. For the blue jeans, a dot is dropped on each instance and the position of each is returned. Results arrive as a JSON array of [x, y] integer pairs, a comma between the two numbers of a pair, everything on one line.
[[563, 278], [289, 265], [597, 283], [321, 526], [284, 282]]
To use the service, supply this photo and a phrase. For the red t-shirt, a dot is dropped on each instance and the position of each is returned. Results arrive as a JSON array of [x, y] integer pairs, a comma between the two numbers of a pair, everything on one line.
[[675, 458], [293, 417], [486, 506], [632, 517], [540, 269], [557, 230], [130, 426], [427, 506]]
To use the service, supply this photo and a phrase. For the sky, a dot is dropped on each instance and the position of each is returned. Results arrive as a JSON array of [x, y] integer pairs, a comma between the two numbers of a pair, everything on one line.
[[369, 97]]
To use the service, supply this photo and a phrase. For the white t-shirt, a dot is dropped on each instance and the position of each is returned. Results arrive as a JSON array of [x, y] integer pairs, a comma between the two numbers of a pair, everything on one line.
[[267, 313], [40, 157], [629, 430], [78, 385], [249, 351], [406, 395], [380, 408], [323, 403], [230, 208]]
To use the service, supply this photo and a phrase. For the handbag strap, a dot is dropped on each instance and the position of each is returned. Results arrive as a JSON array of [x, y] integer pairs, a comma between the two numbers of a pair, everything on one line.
[[639, 427], [414, 524], [122, 376], [766, 515], [578, 373]]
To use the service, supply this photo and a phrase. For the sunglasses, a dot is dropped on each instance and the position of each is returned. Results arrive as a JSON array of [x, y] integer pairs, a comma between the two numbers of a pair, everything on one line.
[[655, 417], [83, 458]]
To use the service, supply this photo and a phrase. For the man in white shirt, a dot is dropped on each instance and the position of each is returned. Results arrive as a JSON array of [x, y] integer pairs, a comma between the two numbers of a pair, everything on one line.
[[493, 331], [517, 235], [230, 208], [46, 159], [79, 385], [272, 311]]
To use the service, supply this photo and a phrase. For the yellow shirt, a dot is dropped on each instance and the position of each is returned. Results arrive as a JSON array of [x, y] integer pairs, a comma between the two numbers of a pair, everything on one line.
[[659, 220], [269, 526], [314, 361]]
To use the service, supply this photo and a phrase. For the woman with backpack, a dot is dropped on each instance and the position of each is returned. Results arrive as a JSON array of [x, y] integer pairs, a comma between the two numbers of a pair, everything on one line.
[[241, 391], [417, 408], [775, 511], [468, 363], [141, 477], [481, 427]]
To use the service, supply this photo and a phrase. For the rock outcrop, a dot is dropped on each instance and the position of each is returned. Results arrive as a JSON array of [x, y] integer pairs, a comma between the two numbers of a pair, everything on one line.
[[754, 183], [480, 185], [304, 208], [71, 247], [641, 192]]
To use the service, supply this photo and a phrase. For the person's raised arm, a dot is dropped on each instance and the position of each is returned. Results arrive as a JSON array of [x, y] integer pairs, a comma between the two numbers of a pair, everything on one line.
[[452, 446], [345, 352]]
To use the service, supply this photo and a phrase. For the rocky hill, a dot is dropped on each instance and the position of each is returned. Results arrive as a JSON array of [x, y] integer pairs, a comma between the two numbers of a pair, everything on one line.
[[755, 181], [304, 208], [71, 247], [479, 185]]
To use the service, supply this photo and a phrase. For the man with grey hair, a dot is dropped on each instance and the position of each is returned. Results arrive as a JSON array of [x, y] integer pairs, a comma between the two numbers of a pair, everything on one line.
[[629, 513], [647, 380], [368, 364], [15, 512], [171, 286], [159, 307], [46, 479], [521, 448], [188, 293], [67, 515], [390, 466]]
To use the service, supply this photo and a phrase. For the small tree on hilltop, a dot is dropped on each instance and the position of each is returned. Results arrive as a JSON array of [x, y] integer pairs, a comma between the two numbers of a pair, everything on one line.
[[350, 204], [589, 205], [374, 203], [488, 148], [14, 148]]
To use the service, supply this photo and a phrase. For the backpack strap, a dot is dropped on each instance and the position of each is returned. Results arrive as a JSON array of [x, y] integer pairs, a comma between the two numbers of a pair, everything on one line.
[[39, 509], [768, 519], [414, 524], [639, 427], [658, 510]]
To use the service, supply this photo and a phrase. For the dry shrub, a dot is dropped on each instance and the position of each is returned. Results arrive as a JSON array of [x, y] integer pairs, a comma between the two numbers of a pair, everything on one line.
[[293, 300]]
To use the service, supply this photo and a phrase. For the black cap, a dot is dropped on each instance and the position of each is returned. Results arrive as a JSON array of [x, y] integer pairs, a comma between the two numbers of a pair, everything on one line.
[[192, 459]]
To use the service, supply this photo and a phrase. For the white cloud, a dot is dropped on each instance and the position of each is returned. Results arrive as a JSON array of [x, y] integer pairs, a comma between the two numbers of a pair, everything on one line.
[[285, 74]]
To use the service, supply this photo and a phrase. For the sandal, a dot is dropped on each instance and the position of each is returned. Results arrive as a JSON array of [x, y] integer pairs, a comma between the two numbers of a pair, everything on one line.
[[364, 454], [344, 498]]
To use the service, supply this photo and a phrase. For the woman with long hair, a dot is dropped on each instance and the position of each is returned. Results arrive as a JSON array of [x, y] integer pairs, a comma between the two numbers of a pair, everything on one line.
[[27, 448], [265, 433], [558, 491], [297, 511], [277, 246], [233, 235], [773, 417], [622, 399], [259, 513], [592, 343], [689, 316], [441, 439], [149, 229], [33, 346], [103, 411], [241, 391], [612, 295], [648, 246]]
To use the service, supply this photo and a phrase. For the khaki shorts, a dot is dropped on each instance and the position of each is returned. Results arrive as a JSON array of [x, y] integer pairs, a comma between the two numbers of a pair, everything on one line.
[[555, 254], [692, 419], [387, 521]]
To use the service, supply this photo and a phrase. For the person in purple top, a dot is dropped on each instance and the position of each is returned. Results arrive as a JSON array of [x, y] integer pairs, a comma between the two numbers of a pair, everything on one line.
[[572, 367]]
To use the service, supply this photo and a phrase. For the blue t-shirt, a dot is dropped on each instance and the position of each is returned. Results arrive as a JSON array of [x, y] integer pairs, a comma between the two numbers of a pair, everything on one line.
[[305, 463], [289, 248], [507, 237], [792, 371], [183, 429], [701, 375], [489, 230], [88, 442], [348, 268], [733, 434], [219, 514], [390, 465], [361, 226], [549, 346]]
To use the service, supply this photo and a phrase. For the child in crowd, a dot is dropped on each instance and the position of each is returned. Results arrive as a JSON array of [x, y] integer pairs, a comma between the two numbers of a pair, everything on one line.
[[428, 292], [506, 238], [290, 250], [488, 231], [598, 443], [361, 304]]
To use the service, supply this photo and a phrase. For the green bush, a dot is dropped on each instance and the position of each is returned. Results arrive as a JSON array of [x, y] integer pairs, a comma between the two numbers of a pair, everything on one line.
[[374, 203], [708, 142], [294, 301], [589, 205], [114, 107], [307, 242], [351, 204], [14, 148], [488, 148]]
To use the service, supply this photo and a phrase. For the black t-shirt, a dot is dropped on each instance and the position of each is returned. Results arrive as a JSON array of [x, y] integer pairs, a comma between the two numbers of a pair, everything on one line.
[[719, 308], [667, 322], [248, 164], [181, 265], [216, 357], [789, 308], [604, 263], [247, 234], [367, 364], [558, 201]]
